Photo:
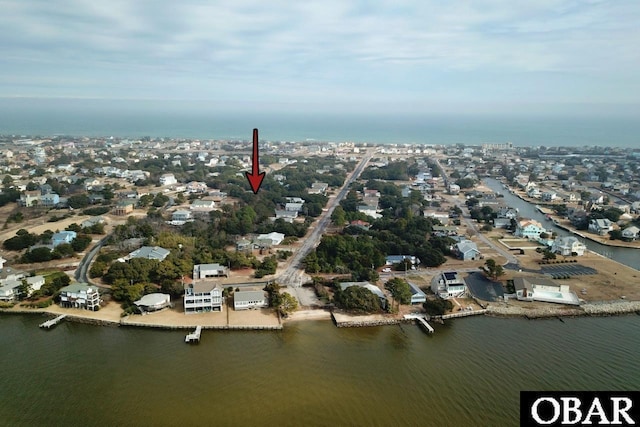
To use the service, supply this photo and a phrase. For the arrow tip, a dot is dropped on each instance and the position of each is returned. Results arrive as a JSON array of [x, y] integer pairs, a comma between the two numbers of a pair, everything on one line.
[[255, 180]]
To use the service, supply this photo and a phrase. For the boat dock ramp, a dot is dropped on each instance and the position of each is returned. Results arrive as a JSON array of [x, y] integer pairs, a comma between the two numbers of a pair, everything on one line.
[[422, 321], [52, 322], [194, 337]]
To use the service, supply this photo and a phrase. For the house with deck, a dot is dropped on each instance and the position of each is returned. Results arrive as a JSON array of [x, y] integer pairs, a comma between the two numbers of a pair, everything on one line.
[[80, 295], [205, 271], [449, 285], [568, 246], [529, 229], [202, 297]]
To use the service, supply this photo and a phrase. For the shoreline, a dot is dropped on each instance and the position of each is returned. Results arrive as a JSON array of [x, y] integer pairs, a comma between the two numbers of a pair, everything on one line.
[[345, 320]]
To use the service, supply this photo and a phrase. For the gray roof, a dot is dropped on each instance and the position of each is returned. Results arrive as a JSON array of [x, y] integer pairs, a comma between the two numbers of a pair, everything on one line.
[[150, 252], [245, 296]]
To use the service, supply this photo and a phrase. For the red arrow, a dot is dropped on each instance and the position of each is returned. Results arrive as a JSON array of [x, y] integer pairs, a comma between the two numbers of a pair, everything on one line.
[[255, 178]]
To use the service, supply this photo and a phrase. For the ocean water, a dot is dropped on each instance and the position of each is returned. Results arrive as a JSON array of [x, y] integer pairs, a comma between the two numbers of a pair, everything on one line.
[[46, 117]]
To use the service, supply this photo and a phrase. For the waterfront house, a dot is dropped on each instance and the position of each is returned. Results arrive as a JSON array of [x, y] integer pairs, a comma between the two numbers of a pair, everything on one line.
[[600, 226], [153, 302], [34, 283], [449, 285], [9, 290], [372, 288], [149, 252], [204, 271], [544, 290], [507, 213], [417, 296], [62, 237], [568, 246], [244, 300], [80, 295], [203, 296], [529, 229], [631, 233]]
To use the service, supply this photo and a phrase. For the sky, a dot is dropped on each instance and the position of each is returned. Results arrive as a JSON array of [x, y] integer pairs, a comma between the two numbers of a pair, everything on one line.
[[332, 55]]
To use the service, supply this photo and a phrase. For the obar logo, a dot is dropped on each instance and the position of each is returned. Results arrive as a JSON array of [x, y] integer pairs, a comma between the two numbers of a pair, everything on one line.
[[579, 408]]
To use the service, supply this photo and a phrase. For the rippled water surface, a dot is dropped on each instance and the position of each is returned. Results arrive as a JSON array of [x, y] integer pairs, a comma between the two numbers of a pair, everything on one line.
[[468, 373]]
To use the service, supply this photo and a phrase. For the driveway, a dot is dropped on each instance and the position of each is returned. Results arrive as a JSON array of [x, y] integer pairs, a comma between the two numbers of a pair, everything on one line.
[[483, 288]]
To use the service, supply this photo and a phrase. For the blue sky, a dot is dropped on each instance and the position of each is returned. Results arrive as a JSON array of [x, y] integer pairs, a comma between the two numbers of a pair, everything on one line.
[[332, 55]]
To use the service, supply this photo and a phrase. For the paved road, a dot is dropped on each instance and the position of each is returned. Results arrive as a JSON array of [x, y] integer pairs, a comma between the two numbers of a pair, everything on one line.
[[83, 267], [466, 217], [293, 276]]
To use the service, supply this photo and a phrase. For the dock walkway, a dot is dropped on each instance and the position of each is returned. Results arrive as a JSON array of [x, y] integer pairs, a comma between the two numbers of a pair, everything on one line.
[[52, 322], [421, 321], [194, 336]]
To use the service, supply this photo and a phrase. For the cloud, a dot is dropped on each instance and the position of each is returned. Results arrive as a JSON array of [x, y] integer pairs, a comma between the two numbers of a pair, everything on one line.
[[203, 49]]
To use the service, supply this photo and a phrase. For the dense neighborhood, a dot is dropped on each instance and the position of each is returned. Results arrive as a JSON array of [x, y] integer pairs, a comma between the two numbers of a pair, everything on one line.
[[171, 224]]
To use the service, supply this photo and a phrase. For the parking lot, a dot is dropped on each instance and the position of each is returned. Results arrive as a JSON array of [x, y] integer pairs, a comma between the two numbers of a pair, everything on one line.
[[570, 270]]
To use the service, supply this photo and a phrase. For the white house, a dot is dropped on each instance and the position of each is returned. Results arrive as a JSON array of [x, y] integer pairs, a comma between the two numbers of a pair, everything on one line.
[[168, 179], [202, 205], [271, 239], [244, 300], [202, 297], [568, 245], [80, 295], [181, 216], [544, 290], [529, 229], [204, 271], [449, 285], [153, 302]]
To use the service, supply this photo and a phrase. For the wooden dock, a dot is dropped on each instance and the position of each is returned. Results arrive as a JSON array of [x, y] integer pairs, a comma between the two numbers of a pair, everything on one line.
[[422, 321], [194, 337], [464, 314], [51, 323]]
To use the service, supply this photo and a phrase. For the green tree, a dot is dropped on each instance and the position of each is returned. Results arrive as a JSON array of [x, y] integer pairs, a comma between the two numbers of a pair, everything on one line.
[[437, 306], [358, 299], [493, 269], [400, 290], [288, 304]]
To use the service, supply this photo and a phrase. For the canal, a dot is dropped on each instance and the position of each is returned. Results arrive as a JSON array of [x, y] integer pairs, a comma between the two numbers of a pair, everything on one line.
[[626, 256]]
